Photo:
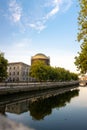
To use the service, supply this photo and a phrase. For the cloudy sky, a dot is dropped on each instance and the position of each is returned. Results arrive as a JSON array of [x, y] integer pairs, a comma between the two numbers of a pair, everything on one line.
[[28, 27]]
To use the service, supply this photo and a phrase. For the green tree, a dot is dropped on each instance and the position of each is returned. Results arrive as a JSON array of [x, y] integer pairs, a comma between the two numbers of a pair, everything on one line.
[[81, 59], [42, 72], [38, 71], [74, 76], [3, 67], [60, 73]]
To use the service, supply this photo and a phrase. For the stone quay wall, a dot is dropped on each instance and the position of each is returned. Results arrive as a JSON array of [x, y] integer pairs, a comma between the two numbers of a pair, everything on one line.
[[10, 88]]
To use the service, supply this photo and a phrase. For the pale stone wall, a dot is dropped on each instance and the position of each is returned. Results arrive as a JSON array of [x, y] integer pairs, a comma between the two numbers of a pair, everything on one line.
[[6, 88], [18, 71]]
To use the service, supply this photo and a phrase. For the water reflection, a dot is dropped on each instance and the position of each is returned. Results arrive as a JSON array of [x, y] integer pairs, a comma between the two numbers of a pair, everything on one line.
[[38, 107], [2, 110], [17, 108], [43, 107]]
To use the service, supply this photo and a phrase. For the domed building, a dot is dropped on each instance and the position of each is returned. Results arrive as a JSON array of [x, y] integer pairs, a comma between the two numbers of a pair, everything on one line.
[[40, 57]]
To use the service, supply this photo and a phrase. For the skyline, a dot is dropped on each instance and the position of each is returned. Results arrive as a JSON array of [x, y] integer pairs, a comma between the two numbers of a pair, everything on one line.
[[49, 27]]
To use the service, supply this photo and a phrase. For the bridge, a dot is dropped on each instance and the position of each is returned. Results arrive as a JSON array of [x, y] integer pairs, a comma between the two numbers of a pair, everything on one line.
[[83, 82]]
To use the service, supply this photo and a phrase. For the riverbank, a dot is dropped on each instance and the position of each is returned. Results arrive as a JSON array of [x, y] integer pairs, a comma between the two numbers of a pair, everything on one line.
[[10, 88]]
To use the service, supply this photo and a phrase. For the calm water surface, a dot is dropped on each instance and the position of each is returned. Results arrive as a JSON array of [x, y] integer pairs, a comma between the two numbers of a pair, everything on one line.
[[67, 111]]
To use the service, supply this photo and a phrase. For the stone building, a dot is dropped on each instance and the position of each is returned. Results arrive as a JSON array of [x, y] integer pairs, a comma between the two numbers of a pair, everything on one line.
[[40, 57], [18, 71]]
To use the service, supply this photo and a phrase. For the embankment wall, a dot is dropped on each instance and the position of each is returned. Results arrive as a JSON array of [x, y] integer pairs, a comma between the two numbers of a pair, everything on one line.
[[9, 88]]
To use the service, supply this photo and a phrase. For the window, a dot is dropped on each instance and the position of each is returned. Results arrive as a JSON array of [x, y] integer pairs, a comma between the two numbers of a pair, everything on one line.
[[13, 73], [17, 79], [17, 73], [13, 79]]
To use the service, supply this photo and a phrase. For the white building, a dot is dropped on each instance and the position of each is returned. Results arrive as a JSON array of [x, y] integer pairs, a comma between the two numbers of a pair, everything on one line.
[[18, 71]]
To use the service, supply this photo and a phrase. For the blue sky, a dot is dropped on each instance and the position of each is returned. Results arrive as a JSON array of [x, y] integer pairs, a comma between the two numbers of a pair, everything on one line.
[[28, 27]]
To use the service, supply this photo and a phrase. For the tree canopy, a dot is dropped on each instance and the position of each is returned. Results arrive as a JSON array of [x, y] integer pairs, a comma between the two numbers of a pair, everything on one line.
[[42, 72], [38, 71], [81, 59], [3, 67]]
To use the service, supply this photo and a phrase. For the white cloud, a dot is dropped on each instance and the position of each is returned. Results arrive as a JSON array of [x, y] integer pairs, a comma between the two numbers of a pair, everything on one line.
[[53, 6], [35, 19], [39, 23], [54, 10], [65, 5], [15, 11], [37, 26]]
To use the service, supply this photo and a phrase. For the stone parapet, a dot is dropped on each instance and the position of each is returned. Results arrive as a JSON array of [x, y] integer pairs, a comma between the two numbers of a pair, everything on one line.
[[9, 88]]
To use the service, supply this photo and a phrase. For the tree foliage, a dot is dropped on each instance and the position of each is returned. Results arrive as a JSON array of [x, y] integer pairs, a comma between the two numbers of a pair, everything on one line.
[[42, 72], [81, 59], [3, 67], [38, 71]]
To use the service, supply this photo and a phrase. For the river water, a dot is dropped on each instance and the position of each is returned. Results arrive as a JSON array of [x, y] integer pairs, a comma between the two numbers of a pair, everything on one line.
[[67, 111]]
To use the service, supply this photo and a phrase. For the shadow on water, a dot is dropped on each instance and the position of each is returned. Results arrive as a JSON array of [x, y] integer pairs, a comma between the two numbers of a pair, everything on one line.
[[38, 107]]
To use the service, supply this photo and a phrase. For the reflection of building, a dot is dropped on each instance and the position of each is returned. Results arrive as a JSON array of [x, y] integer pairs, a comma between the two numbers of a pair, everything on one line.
[[40, 57], [18, 71], [2, 109], [18, 107]]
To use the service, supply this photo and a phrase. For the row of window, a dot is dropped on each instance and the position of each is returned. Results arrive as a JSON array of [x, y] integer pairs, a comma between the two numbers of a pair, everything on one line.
[[14, 67], [13, 79], [17, 67], [17, 79], [17, 73], [14, 73]]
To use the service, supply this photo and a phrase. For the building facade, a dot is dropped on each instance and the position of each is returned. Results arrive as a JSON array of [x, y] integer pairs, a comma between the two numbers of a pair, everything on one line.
[[18, 71], [40, 57]]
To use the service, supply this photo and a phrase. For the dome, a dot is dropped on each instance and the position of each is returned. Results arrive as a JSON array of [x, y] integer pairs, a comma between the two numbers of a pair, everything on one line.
[[40, 56]]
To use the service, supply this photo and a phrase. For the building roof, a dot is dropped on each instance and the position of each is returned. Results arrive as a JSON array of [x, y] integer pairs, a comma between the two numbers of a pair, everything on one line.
[[40, 56], [16, 63]]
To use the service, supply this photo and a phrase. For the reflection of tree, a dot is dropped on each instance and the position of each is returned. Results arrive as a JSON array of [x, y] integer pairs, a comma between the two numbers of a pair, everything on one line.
[[19, 103], [2, 109], [43, 107]]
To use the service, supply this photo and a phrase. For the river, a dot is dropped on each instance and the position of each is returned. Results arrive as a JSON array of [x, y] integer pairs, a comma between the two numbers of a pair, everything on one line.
[[67, 111]]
